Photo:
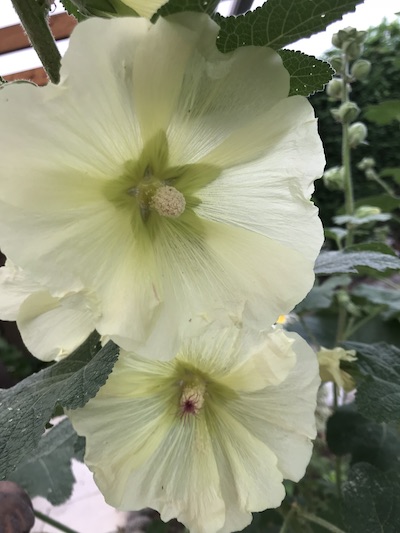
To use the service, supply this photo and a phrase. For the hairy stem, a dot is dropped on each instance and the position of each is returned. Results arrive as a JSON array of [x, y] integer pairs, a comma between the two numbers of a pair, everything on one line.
[[33, 18]]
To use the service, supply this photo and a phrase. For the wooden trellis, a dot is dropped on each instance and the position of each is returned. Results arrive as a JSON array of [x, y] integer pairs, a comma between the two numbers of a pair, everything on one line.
[[13, 38]]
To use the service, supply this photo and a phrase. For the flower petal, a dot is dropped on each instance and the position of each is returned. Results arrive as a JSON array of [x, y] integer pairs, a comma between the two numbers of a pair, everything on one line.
[[268, 363], [269, 181], [15, 287], [52, 328], [221, 93], [157, 458], [282, 415]]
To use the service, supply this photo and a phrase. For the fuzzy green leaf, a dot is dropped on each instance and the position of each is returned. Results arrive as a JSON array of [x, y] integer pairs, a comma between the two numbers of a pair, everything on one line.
[[378, 387], [280, 22], [307, 74], [390, 298], [26, 408], [384, 112], [371, 500], [73, 10], [348, 432], [344, 262], [321, 295], [47, 471]]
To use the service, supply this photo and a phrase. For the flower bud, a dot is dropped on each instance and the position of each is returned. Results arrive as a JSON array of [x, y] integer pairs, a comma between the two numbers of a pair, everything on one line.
[[334, 88], [370, 174], [336, 40], [346, 113], [361, 36], [367, 211], [366, 163], [357, 134], [333, 179], [353, 49], [360, 69], [337, 63]]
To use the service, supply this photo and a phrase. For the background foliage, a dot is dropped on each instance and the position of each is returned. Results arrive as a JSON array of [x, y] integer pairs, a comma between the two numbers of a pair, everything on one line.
[[353, 481]]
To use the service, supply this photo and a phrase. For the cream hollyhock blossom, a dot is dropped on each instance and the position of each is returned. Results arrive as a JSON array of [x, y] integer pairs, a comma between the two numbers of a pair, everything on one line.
[[163, 176], [209, 436], [329, 366], [51, 326]]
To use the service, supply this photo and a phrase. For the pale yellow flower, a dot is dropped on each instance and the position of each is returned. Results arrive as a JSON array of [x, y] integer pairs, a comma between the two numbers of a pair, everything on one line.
[[209, 436], [164, 177], [329, 366]]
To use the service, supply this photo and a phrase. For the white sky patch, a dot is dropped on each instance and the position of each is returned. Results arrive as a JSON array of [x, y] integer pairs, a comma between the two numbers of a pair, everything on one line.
[[368, 14]]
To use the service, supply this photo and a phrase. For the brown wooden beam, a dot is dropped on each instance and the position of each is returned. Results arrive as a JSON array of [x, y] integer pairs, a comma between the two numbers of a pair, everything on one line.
[[37, 75], [14, 38]]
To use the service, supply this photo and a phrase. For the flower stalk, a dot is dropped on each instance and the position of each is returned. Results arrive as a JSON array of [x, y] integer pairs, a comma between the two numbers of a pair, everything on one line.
[[33, 16], [58, 525], [346, 156]]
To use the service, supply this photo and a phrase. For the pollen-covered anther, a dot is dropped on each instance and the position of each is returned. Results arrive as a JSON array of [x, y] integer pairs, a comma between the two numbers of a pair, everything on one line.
[[192, 399], [168, 202]]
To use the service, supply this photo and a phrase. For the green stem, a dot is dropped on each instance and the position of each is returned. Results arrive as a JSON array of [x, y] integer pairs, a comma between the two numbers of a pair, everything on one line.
[[54, 523], [286, 522], [350, 330], [386, 187], [346, 155], [342, 319], [321, 522], [33, 19]]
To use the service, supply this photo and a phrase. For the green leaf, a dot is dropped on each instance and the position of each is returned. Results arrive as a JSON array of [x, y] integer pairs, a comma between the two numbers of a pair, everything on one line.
[[383, 113], [373, 246], [47, 471], [27, 407], [371, 500], [344, 262], [348, 432], [359, 221], [378, 387], [336, 234], [307, 74], [383, 201], [280, 22], [321, 296], [177, 6], [378, 295], [393, 172], [72, 10]]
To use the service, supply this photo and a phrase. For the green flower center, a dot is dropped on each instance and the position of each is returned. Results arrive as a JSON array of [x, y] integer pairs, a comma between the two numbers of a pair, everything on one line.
[[153, 192], [197, 395]]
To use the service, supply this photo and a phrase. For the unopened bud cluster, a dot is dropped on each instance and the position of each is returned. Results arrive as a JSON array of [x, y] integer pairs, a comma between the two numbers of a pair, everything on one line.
[[349, 68], [350, 41]]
